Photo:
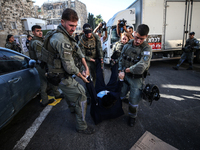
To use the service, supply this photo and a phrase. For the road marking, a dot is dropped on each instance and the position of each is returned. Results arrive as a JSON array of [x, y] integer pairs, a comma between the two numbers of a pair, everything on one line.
[[23, 142]]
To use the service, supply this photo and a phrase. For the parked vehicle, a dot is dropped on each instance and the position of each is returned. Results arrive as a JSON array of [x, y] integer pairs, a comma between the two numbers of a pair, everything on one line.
[[169, 21], [19, 83]]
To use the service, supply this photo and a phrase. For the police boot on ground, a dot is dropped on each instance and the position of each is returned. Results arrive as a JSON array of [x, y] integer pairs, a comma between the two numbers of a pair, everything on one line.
[[175, 68], [131, 121], [49, 102], [88, 130], [61, 96]]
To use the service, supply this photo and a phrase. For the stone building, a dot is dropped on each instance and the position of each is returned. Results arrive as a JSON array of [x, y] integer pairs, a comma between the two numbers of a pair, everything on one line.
[[54, 9], [12, 11]]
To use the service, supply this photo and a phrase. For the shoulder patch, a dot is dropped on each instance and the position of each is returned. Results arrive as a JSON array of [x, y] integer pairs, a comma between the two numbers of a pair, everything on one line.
[[146, 53], [68, 46]]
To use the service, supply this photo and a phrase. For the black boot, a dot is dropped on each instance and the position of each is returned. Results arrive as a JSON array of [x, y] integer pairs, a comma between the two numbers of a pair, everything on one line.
[[131, 121], [88, 130]]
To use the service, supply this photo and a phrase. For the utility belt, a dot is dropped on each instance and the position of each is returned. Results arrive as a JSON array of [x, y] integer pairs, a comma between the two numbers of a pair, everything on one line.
[[144, 75]]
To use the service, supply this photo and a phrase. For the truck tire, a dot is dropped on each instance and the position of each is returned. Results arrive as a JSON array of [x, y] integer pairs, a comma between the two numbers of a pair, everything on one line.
[[197, 59]]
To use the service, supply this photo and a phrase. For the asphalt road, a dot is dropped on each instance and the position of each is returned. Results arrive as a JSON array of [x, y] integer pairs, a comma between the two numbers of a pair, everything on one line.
[[174, 118]]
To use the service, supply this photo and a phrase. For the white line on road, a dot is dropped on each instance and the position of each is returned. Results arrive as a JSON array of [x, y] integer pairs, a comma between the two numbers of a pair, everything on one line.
[[23, 142]]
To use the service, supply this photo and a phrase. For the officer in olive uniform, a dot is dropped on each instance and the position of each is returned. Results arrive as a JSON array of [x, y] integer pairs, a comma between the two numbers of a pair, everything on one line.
[[11, 44], [35, 47], [135, 61], [64, 44], [117, 48], [29, 38], [90, 45], [191, 45]]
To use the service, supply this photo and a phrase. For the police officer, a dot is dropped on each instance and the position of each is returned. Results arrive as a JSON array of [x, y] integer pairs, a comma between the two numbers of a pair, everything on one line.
[[11, 43], [35, 53], [188, 51], [90, 45], [135, 61], [65, 45], [29, 38]]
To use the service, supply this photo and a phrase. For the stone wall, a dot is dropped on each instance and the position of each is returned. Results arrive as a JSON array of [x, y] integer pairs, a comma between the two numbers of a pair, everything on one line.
[[55, 9], [12, 11]]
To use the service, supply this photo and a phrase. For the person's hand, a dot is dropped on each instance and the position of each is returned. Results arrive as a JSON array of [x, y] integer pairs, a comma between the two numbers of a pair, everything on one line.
[[118, 22], [87, 72], [100, 24], [127, 70], [121, 75], [84, 73], [101, 63], [85, 80], [93, 60]]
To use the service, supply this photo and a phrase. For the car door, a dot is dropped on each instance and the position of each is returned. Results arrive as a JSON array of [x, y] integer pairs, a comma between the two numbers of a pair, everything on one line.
[[22, 82], [6, 107]]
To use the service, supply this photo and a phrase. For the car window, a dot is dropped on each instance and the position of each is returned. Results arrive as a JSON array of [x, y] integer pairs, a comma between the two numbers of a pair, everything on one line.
[[10, 62]]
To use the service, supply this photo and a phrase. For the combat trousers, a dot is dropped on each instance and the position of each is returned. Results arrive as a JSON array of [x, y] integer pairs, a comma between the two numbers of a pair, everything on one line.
[[76, 100], [92, 68], [186, 56], [135, 86], [43, 85]]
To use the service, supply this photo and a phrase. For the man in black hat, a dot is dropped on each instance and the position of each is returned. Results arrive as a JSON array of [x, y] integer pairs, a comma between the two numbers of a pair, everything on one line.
[[188, 51], [90, 45]]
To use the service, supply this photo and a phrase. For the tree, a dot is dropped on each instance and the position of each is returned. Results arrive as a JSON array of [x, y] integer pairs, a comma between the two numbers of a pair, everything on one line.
[[94, 21], [91, 20], [98, 19]]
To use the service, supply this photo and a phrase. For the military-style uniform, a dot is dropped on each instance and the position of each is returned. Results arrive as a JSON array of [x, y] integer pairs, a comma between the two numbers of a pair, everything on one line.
[[35, 53], [66, 46], [188, 52], [13, 46], [117, 49], [137, 58], [91, 48]]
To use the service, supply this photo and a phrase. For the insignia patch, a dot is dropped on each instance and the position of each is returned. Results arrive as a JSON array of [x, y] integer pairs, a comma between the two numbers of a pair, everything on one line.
[[146, 58], [67, 46], [67, 52], [146, 53]]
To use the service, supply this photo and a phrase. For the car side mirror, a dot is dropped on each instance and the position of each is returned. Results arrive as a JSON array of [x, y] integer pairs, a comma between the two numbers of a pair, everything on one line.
[[32, 63]]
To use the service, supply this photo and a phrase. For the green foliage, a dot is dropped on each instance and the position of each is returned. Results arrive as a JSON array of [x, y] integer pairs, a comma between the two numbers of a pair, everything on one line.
[[94, 21], [98, 19]]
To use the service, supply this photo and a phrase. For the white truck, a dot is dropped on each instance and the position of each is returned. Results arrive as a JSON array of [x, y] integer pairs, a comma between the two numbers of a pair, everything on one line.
[[170, 22]]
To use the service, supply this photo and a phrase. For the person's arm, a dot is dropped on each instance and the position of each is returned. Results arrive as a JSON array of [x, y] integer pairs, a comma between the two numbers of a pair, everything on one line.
[[97, 28], [105, 36], [87, 72], [118, 29]]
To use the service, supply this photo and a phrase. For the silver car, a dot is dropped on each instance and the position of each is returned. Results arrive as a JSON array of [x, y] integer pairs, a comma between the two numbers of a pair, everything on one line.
[[19, 83]]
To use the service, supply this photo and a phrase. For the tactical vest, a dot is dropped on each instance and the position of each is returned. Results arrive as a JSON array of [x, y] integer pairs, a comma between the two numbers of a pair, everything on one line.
[[51, 56], [36, 55], [89, 45], [132, 55]]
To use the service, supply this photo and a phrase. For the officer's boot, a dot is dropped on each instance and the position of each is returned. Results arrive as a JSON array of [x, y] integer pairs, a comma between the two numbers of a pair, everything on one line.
[[190, 66]]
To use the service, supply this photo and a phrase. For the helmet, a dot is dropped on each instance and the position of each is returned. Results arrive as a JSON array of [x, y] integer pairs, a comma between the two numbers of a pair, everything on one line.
[[150, 93]]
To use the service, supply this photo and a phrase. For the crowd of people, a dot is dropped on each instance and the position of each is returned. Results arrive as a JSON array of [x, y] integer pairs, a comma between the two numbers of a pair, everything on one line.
[[129, 64]]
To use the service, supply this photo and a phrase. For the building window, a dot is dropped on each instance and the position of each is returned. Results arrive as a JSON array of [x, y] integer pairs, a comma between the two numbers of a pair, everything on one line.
[[1, 26], [13, 25], [72, 4]]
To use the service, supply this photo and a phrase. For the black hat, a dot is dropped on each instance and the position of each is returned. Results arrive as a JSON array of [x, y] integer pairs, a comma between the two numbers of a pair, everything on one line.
[[192, 33], [87, 28]]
